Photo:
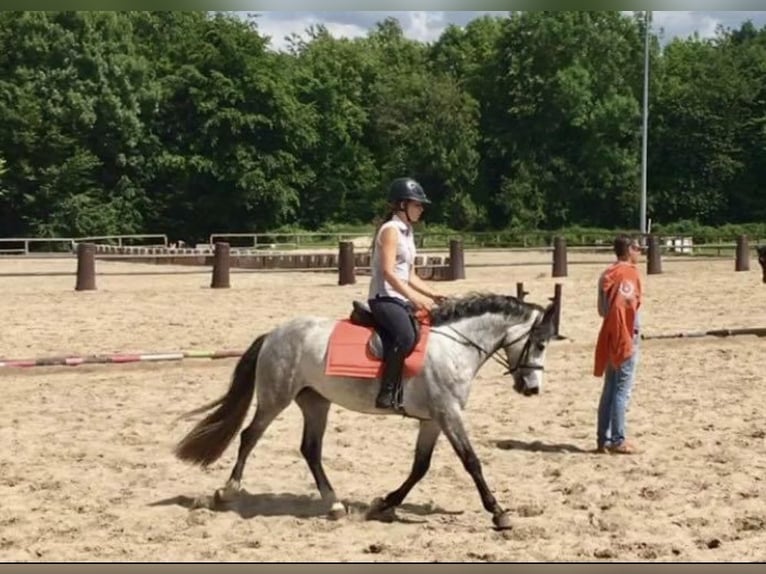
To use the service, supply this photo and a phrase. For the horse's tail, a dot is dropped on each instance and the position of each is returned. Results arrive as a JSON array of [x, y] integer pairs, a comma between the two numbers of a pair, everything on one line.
[[207, 441]]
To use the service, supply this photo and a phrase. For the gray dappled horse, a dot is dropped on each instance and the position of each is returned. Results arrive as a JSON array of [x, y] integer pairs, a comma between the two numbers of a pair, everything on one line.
[[288, 363]]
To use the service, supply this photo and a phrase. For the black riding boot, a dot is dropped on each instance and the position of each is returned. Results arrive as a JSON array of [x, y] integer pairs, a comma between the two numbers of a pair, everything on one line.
[[390, 395]]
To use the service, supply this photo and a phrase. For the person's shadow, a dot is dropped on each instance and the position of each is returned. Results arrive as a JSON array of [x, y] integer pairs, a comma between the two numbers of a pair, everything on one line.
[[539, 446], [248, 505]]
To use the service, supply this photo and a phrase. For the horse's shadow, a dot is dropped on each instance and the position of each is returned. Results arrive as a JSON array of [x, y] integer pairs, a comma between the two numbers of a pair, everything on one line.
[[539, 446], [248, 505]]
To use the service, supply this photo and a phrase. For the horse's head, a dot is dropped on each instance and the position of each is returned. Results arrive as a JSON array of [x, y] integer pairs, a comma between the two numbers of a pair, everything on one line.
[[490, 323], [526, 352], [762, 259]]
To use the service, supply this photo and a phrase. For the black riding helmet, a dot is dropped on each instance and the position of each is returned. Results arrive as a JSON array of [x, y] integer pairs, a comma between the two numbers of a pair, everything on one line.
[[406, 189]]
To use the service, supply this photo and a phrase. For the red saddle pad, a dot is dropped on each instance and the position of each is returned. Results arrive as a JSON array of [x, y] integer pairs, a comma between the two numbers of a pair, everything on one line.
[[347, 354]]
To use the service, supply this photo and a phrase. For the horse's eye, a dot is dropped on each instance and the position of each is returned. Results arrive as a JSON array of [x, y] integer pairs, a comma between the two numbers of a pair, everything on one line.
[[541, 347]]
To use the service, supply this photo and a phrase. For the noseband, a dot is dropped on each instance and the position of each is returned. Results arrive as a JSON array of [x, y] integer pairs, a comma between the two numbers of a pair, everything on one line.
[[522, 362]]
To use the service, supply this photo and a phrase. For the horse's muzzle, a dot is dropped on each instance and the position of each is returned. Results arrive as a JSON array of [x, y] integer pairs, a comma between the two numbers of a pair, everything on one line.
[[525, 390]]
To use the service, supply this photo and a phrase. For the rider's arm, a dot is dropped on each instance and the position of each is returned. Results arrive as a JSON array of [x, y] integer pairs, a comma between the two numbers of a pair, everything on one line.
[[422, 287]]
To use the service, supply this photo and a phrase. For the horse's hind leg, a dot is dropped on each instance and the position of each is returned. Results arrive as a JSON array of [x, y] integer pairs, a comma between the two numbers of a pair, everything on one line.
[[427, 436], [315, 408], [265, 413]]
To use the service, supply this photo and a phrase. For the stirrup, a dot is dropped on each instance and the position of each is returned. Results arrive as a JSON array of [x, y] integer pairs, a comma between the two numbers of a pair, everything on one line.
[[397, 404], [398, 400], [397, 407]]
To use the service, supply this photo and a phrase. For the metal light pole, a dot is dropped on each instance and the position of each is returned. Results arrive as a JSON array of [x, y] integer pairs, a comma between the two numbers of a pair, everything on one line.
[[647, 21]]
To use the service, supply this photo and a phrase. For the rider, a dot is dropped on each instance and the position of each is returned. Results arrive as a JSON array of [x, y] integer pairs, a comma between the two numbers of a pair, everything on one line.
[[395, 289]]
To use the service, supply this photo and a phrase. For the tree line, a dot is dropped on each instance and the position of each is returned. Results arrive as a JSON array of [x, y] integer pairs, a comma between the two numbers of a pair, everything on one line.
[[186, 123]]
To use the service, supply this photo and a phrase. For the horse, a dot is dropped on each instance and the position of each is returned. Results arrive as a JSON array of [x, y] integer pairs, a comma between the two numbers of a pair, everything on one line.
[[288, 364], [761, 249]]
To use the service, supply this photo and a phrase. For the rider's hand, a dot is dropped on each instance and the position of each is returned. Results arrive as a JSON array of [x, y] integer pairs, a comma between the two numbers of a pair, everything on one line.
[[438, 299], [422, 303]]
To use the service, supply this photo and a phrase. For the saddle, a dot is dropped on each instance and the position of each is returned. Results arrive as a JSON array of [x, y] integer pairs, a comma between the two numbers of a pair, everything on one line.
[[362, 316]]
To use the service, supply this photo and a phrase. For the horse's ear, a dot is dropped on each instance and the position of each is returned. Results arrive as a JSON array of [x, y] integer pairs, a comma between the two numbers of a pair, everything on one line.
[[550, 311], [548, 320]]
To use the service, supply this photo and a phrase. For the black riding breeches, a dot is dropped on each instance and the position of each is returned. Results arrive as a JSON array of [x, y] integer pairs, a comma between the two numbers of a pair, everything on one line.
[[394, 318]]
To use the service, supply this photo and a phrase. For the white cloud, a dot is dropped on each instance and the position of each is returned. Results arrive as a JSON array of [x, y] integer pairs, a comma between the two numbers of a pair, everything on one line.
[[425, 26], [278, 29], [428, 26], [685, 24]]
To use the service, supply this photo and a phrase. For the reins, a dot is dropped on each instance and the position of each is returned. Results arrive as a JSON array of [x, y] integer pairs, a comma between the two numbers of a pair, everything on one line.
[[520, 364]]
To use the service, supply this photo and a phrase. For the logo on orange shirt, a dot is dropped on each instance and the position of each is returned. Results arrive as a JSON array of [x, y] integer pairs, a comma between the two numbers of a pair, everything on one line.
[[627, 289]]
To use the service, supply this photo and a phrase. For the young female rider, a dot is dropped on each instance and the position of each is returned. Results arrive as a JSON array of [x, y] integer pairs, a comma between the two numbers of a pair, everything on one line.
[[396, 291]]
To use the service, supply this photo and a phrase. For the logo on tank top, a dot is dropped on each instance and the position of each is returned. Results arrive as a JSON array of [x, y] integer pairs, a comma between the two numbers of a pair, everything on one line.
[[627, 289]]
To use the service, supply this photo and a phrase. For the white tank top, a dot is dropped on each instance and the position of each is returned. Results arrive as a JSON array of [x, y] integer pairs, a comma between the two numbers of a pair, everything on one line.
[[405, 259]]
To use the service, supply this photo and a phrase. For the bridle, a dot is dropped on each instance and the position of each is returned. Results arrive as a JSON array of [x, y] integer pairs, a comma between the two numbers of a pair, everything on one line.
[[510, 369]]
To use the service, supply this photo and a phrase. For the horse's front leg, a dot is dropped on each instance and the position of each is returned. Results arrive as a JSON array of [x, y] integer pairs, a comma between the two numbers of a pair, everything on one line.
[[451, 422]]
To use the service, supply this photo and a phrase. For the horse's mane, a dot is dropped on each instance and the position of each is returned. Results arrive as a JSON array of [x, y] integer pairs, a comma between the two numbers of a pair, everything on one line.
[[475, 304], [761, 250]]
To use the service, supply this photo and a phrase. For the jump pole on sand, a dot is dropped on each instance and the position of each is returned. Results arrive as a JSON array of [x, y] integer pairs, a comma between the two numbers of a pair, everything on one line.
[[117, 358], [757, 331]]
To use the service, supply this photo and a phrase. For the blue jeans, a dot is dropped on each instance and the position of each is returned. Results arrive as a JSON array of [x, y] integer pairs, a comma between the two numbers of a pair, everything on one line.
[[615, 396]]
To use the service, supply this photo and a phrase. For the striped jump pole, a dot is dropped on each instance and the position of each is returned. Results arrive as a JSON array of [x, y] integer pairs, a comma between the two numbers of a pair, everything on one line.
[[117, 358], [757, 331]]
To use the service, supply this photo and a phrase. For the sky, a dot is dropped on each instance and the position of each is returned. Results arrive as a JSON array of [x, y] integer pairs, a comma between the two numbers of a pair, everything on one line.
[[427, 26]]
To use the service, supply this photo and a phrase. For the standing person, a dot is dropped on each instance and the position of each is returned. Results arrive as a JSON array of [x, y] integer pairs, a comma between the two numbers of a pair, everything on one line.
[[396, 291], [617, 348]]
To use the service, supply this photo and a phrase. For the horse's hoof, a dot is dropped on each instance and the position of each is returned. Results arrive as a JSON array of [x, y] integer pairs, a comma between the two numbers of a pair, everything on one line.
[[379, 511], [337, 511], [375, 506], [226, 494], [502, 521]]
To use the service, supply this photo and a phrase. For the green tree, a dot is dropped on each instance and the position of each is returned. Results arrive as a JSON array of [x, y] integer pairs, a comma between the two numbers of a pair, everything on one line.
[[746, 49], [565, 119], [698, 112], [2, 171], [430, 131], [228, 129], [333, 77], [423, 125], [470, 56], [70, 116]]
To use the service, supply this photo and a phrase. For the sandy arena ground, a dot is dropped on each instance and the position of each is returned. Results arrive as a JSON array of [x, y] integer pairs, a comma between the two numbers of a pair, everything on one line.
[[87, 471]]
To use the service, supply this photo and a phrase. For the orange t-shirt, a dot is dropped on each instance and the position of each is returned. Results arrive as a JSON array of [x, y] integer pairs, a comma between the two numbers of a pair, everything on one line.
[[621, 284]]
